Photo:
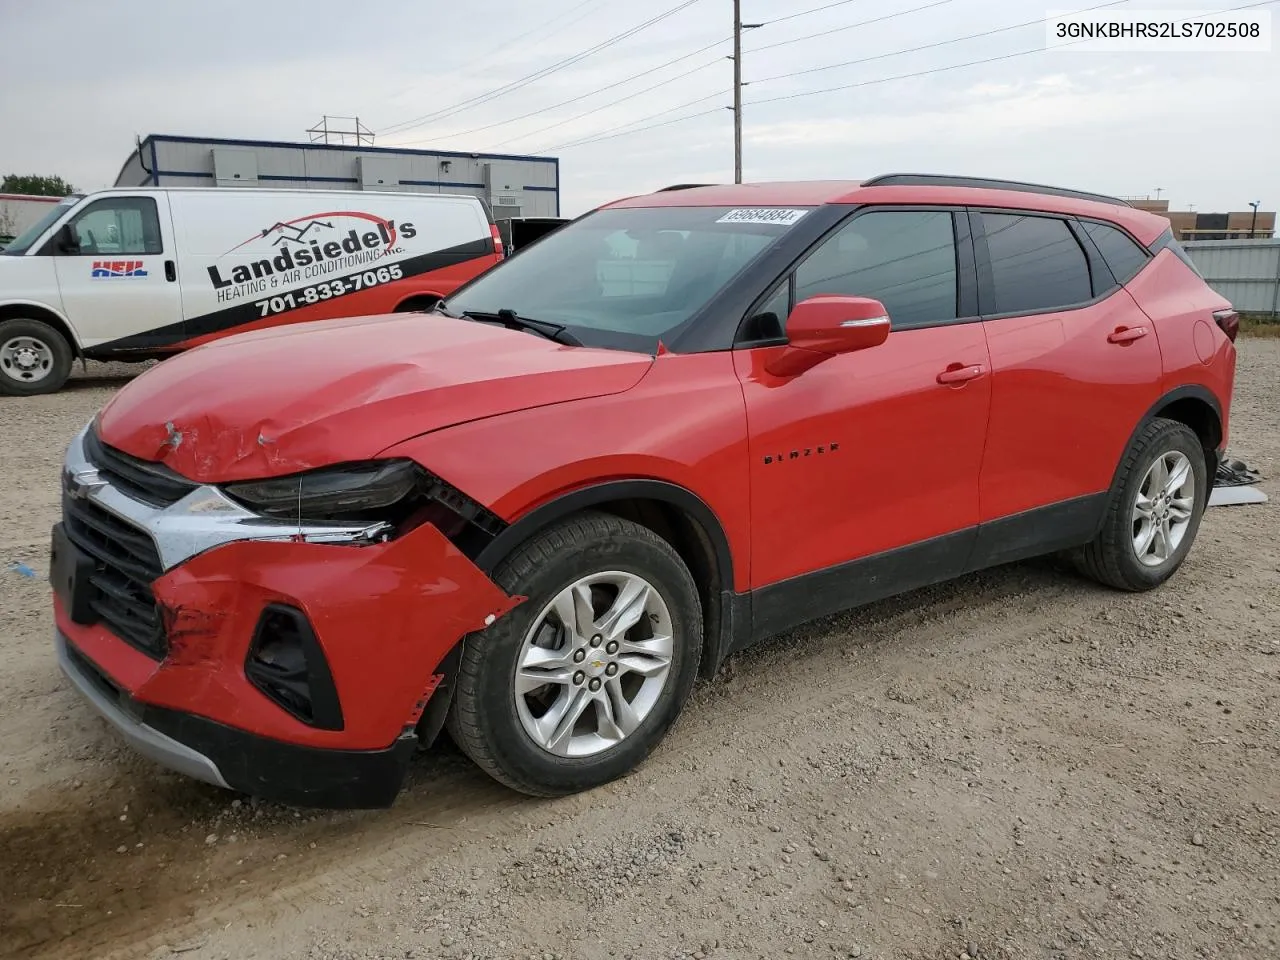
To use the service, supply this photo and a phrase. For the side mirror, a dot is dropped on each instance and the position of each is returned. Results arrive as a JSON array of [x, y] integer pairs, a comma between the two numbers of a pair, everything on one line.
[[68, 242], [823, 326]]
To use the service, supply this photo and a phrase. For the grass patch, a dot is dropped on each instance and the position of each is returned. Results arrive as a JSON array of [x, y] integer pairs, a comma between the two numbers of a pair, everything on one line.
[[1260, 325]]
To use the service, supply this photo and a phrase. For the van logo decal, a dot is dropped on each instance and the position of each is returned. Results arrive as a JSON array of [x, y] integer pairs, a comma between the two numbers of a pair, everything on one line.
[[103, 269], [305, 248]]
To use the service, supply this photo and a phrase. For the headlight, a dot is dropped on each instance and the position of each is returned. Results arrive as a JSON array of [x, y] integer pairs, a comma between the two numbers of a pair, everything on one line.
[[353, 491]]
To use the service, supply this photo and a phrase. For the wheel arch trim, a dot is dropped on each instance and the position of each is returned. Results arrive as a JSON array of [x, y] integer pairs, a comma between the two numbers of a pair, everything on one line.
[[35, 310], [582, 498]]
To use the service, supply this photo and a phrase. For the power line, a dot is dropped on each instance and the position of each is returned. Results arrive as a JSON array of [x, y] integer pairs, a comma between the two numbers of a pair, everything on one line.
[[925, 46], [955, 66], [805, 13], [537, 74], [611, 103], [619, 83], [609, 134], [560, 19], [852, 26], [586, 96]]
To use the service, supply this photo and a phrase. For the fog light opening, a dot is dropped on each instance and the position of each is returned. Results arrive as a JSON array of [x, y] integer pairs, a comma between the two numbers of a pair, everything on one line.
[[287, 665]]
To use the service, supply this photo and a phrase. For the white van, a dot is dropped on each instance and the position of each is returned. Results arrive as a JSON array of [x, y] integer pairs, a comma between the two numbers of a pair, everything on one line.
[[136, 274]]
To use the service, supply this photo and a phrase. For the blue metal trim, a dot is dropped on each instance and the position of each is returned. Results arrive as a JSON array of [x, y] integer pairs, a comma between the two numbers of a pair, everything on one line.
[[306, 179], [167, 138], [199, 175], [440, 183], [557, 159], [155, 177], [545, 190]]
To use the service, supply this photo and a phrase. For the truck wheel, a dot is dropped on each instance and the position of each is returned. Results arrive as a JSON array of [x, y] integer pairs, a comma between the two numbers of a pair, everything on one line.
[[1154, 512], [575, 687], [34, 358]]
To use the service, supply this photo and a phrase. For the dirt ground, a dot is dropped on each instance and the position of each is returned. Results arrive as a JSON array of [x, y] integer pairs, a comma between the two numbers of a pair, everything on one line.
[[1016, 765]]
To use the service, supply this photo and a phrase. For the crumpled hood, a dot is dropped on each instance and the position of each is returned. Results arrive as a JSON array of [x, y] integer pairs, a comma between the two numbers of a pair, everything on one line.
[[302, 396]]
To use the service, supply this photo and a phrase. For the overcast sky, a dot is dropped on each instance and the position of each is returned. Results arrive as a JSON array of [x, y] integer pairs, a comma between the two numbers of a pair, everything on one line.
[[82, 79]]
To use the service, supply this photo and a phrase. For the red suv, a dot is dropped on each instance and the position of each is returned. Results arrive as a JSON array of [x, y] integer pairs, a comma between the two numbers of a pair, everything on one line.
[[675, 426]]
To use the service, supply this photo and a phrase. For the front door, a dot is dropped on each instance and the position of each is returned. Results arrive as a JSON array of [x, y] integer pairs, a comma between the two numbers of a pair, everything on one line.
[[122, 280], [864, 469]]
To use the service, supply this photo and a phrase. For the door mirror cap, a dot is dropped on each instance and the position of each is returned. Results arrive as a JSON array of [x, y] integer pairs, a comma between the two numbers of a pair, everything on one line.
[[824, 326]]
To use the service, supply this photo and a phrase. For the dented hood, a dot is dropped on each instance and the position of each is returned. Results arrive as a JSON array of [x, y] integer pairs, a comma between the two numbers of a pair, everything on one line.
[[307, 395]]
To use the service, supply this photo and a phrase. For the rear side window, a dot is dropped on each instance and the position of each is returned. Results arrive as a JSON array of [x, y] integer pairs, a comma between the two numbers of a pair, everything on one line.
[[906, 259], [1123, 255], [1036, 264]]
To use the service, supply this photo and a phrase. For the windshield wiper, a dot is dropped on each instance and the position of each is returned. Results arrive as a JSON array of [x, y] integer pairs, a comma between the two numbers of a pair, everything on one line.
[[513, 321]]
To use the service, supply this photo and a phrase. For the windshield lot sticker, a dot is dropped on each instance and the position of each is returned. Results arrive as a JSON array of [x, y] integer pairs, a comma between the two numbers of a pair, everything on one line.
[[783, 218]]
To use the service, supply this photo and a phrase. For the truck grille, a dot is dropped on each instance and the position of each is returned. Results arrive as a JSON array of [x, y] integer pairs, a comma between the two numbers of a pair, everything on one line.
[[126, 562], [151, 483]]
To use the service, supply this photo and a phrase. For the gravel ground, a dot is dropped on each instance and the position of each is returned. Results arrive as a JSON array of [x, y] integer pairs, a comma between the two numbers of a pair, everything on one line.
[[1015, 765]]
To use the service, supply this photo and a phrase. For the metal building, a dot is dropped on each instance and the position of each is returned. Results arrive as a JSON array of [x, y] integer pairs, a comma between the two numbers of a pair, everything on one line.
[[1246, 272], [513, 186]]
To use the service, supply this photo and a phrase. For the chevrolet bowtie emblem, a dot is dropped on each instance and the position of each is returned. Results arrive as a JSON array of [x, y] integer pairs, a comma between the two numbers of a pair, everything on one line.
[[81, 483]]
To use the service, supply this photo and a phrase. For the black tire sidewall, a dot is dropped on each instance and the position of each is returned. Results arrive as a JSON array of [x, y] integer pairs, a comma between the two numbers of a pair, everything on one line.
[[1170, 437], [505, 738], [58, 346]]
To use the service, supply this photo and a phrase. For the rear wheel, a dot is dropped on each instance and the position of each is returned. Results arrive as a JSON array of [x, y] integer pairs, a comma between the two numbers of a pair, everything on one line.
[[34, 358], [1155, 511], [576, 686]]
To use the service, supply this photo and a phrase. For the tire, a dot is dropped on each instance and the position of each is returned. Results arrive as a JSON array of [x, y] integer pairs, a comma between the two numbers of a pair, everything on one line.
[[493, 724], [34, 358], [1112, 557]]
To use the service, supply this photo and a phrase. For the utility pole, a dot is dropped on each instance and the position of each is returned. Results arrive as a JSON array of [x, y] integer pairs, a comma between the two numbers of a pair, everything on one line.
[[738, 27], [1253, 225], [737, 91]]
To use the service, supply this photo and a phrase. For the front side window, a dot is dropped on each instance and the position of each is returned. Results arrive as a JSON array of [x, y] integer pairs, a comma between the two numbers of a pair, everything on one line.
[[118, 225], [906, 259], [1036, 264], [627, 278]]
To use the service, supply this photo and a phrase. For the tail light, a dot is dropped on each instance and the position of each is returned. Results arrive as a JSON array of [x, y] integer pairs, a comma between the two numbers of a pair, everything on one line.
[[1229, 322], [498, 247]]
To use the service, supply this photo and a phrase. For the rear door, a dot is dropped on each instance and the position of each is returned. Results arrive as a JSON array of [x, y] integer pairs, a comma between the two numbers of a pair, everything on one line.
[[120, 286], [1075, 364]]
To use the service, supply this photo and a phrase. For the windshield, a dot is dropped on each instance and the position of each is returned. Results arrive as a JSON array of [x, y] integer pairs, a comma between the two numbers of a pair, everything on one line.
[[627, 278], [24, 240]]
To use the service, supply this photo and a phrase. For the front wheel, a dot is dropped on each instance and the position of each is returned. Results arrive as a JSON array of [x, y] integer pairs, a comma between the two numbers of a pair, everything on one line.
[[34, 358], [576, 686], [1155, 510]]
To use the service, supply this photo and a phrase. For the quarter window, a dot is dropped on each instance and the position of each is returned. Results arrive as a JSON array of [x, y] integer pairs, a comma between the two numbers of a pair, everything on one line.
[[119, 225], [906, 259], [1123, 255], [1036, 264]]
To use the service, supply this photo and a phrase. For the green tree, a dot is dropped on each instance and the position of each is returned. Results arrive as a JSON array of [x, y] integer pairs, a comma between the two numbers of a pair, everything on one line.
[[37, 186]]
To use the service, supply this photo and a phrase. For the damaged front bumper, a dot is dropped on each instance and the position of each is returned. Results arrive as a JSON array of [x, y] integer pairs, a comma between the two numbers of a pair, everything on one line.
[[288, 662]]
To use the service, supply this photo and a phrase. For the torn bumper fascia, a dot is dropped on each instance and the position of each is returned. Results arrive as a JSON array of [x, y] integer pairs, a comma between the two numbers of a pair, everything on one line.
[[385, 612]]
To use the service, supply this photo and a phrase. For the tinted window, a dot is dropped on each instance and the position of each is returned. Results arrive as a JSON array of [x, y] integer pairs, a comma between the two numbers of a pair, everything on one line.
[[1036, 264], [118, 225], [627, 277], [1123, 255], [905, 259]]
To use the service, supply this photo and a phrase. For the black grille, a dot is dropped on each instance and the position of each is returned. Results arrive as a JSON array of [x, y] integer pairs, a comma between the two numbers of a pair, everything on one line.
[[152, 483], [125, 564]]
